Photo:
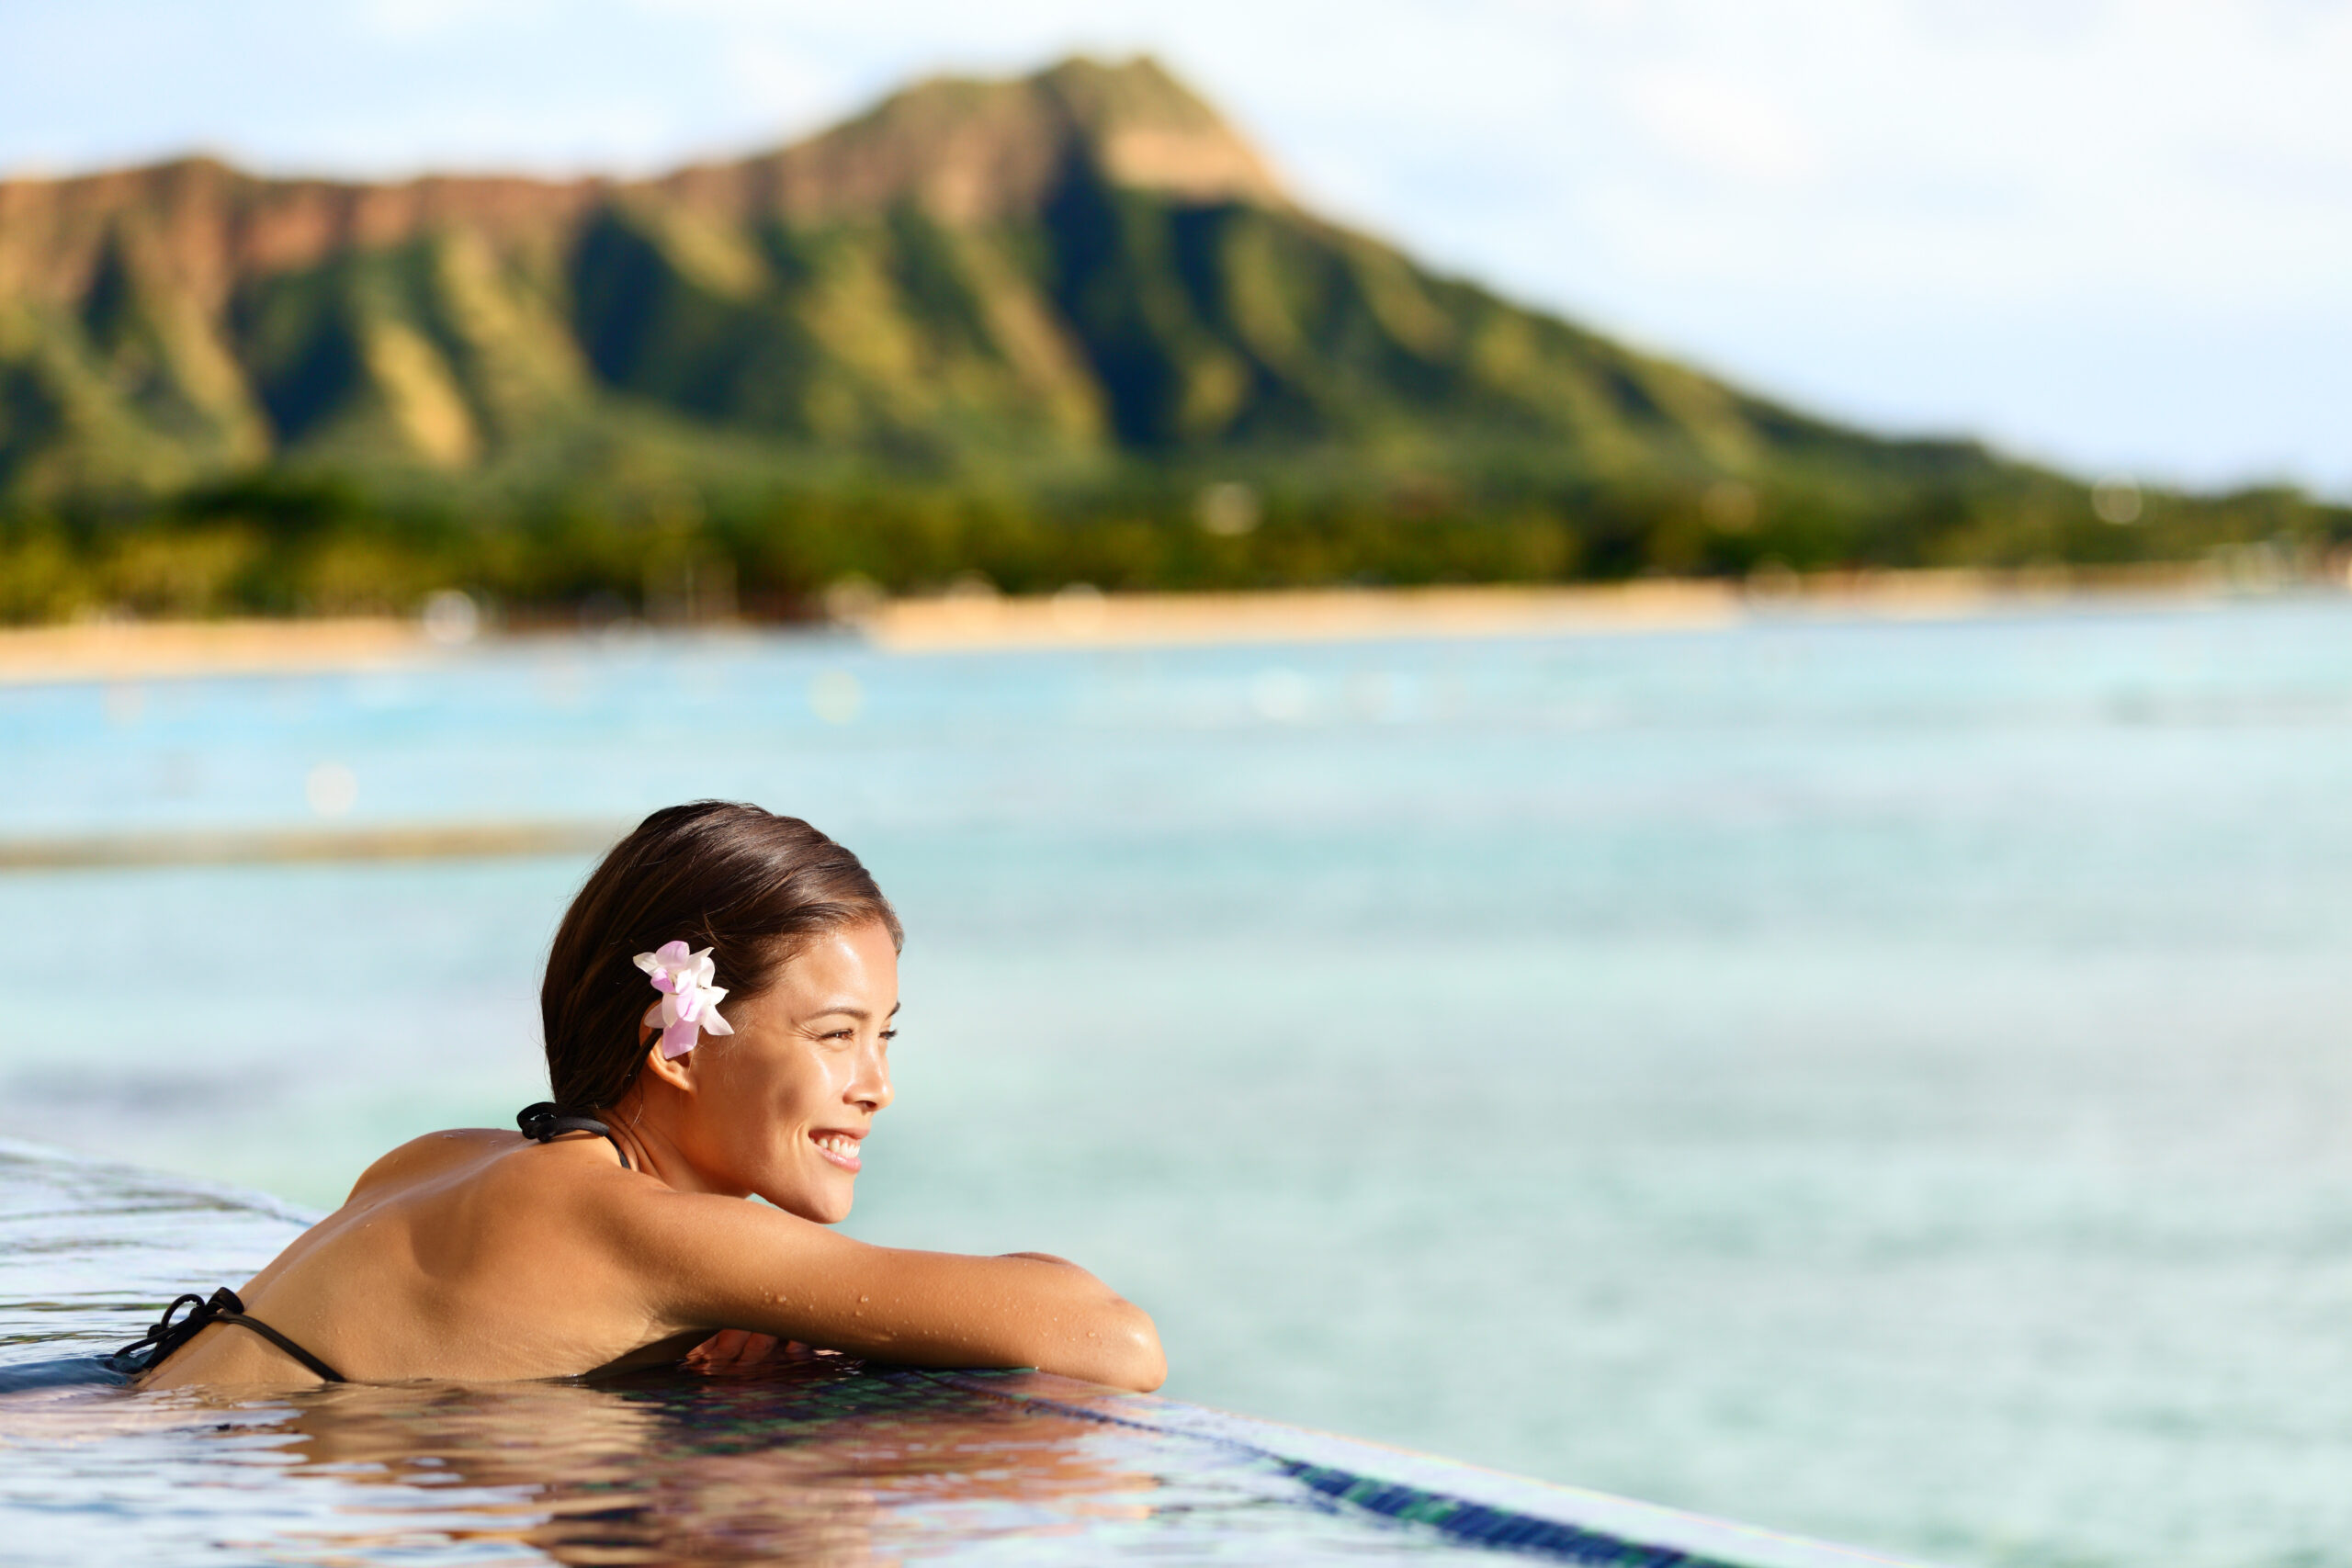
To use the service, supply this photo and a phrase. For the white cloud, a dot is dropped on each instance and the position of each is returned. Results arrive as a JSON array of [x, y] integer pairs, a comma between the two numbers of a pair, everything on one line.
[[410, 20], [1724, 126]]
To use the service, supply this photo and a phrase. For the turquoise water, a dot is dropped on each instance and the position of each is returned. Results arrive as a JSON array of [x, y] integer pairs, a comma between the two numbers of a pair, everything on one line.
[[819, 1461], [1883, 1081]]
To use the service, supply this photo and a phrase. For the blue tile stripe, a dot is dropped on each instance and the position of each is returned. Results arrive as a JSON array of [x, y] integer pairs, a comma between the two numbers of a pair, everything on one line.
[[1458, 1517], [1486, 1525]]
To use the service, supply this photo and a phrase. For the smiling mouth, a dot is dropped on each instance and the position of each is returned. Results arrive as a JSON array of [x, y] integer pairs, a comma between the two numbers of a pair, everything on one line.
[[839, 1148]]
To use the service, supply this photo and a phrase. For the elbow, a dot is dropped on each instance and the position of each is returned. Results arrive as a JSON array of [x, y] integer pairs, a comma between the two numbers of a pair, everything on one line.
[[1138, 1365], [1150, 1369], [1100, 1336]]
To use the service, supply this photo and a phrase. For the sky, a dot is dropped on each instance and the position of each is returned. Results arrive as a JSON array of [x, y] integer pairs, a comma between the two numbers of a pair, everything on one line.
[[2113, 235]]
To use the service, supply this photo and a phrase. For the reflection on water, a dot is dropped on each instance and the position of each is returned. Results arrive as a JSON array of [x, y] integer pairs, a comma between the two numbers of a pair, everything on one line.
[[835, 1464], [826, 1463], [819, 1460]]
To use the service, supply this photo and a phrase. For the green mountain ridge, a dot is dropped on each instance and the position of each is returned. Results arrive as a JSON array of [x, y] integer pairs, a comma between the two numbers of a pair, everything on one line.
[[982, 309]]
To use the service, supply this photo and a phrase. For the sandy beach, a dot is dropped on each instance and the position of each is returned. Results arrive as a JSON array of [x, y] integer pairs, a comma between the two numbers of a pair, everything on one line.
[[139, 650], [1081, 618], [430, 840], [1084, 617]]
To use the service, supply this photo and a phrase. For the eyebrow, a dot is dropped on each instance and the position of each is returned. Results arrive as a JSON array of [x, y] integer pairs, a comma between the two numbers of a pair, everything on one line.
[[856, 1013]]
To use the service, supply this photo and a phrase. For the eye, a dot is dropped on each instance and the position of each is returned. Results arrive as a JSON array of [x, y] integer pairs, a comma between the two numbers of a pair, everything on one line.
[[889, 1035]]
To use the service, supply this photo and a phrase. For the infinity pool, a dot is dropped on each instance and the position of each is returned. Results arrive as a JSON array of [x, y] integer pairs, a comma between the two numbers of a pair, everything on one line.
[[823, 1461]]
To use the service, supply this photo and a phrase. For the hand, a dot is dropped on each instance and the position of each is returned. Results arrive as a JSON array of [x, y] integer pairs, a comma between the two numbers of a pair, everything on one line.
[[736, 1351]]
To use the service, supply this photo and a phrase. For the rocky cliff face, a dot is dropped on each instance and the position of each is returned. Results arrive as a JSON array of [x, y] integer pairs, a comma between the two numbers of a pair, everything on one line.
[[1083, 263]]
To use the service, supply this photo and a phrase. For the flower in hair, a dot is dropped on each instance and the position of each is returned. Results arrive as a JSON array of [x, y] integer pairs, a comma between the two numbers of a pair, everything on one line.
[[689, 1002]]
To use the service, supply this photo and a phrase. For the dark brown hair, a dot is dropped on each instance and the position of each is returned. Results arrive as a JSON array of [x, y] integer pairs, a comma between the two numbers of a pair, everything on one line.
[[754, 887]]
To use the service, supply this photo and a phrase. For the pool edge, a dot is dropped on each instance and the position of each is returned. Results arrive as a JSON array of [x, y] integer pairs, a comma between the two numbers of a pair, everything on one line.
[[1468, 1502]]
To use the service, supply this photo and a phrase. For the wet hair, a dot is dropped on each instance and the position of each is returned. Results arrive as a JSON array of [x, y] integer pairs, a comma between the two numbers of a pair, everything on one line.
[[754, 887]]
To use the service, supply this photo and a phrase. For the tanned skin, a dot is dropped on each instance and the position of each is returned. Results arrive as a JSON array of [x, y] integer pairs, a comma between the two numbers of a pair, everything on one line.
[[481, 1255]]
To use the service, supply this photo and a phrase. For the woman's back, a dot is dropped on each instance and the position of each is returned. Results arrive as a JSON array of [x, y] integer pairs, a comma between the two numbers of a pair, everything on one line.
[[471, 1253]]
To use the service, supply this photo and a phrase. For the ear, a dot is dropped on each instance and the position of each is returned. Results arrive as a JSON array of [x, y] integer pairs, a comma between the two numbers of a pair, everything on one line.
[[678, 1072]]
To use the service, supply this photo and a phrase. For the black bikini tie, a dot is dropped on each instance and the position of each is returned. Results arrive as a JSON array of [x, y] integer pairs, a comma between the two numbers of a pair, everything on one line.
[[154, 1347], [544, 1121]]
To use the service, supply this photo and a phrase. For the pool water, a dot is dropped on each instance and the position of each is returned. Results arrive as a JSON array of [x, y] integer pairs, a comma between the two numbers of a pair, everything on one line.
[[1883, 1081], [823, 1461]]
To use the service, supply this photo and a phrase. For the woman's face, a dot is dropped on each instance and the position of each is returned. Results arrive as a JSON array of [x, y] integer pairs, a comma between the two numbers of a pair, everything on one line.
[[782, 1106]]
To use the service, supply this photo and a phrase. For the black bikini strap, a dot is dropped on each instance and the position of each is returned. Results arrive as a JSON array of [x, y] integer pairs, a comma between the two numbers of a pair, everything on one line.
[[165, 1336], [543, 1122], [227, 1308]]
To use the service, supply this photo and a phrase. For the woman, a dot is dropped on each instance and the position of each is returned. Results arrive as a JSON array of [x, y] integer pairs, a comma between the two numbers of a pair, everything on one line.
[[614, 1232]]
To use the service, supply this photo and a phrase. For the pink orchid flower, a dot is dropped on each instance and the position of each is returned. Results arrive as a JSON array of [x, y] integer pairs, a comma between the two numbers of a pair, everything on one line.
[[689, 1003]]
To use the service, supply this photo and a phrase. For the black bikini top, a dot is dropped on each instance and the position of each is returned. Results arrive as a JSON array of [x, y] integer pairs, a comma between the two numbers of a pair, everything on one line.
[[154, 1347], [547, 1121]]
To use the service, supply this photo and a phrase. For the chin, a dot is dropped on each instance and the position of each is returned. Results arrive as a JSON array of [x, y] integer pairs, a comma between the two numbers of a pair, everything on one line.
[[823, 1208]]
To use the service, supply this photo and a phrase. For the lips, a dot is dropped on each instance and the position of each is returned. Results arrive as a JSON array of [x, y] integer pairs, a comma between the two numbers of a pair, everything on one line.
[[838, 1147]]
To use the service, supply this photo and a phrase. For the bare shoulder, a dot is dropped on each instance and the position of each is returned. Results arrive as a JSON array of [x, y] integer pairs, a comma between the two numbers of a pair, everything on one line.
[[657, 1219], [478, 1204], [432, 1154], [700, 1250]]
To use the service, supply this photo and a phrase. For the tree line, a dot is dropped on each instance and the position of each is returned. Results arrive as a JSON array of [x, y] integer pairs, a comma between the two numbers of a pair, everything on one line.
[[274, 544]]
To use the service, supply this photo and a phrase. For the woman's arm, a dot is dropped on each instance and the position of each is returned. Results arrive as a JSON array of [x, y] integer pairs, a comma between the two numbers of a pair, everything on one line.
[[707, 1262]]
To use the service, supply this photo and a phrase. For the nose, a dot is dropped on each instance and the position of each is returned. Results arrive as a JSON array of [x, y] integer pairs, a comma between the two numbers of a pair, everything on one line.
[[871, 1087]]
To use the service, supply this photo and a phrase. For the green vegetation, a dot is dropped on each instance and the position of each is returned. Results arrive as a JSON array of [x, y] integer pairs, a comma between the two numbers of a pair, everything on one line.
[[272, 546], [974, 331]]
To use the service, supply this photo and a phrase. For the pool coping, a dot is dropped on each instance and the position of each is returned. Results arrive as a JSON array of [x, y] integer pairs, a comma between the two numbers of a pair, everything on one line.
[[1467, 1502]]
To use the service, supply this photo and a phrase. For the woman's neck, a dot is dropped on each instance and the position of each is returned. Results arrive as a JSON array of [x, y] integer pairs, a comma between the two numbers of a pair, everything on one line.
[[644, 1123]]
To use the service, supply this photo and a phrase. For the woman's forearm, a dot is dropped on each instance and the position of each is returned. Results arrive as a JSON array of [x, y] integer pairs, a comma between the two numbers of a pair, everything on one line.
[[757, 1269], [1020, 1309]]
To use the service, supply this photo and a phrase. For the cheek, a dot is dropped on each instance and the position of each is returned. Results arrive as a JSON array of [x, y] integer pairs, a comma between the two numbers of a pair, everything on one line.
[[769, 1094]]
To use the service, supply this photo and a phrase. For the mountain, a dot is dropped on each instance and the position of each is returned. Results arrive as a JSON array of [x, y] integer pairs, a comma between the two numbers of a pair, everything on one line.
[[1083, 261], [1078, 296]]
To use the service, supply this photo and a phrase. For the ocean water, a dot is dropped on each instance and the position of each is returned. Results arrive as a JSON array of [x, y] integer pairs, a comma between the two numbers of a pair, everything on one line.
[[1884, 1081]]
